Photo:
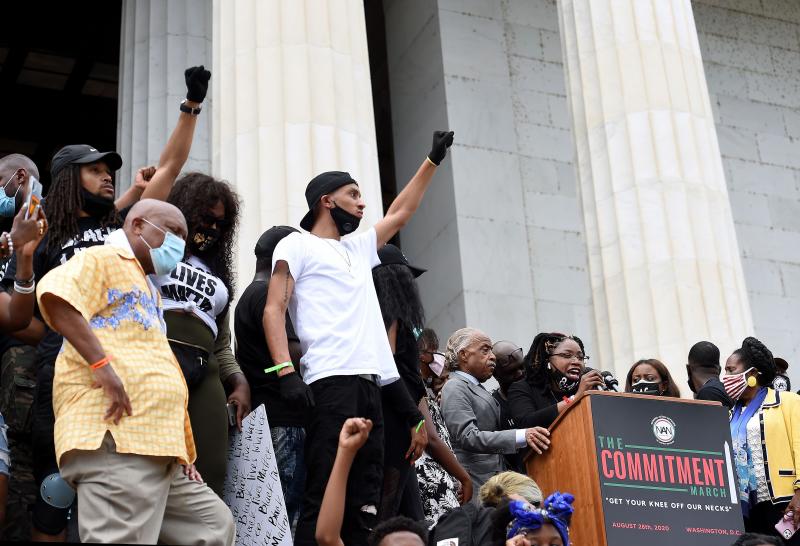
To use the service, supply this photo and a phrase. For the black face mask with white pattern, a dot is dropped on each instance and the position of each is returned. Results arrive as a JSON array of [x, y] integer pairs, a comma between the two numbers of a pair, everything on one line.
[[653, 388], [567, 386]]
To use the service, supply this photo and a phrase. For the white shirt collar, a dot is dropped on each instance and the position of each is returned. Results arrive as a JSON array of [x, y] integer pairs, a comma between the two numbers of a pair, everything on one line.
[[119, 239], [468, 377]]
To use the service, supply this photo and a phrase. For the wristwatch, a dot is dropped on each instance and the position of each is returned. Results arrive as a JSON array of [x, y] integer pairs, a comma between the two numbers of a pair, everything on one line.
[[188, 109]]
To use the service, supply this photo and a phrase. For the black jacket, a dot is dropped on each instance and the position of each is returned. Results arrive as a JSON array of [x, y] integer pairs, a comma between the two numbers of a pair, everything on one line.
[[714, 390], [532, 406]]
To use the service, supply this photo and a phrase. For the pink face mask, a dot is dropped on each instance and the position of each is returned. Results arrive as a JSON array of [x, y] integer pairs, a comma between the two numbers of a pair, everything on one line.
[[437, 365]]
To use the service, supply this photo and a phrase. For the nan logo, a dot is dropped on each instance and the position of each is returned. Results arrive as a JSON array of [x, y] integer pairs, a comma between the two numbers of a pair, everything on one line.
[[663, 429]]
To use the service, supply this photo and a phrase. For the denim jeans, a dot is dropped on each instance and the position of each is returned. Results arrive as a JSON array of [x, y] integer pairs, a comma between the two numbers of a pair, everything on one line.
[[288, 443]]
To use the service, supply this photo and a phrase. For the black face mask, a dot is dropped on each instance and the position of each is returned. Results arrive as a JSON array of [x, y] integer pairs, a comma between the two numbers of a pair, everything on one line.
[[345, 222], [95, 206], [653, 388], [564, 384], [204, 239]]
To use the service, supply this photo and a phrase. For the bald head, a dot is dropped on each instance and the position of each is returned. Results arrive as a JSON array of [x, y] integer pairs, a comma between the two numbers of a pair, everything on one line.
[[508, 368], [15, 171], [161, 213], [13, 162], [146, 226]]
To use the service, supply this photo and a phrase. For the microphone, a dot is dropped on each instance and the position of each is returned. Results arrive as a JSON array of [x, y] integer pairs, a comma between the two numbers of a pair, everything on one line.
[[610, 382]]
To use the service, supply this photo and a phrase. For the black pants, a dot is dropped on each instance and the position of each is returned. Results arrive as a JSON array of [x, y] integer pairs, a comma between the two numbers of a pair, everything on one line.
[[46, 518], [763, 517], [337, 399], [400, 496]]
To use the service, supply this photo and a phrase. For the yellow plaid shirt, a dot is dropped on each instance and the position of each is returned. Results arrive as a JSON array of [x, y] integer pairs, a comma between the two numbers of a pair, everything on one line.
[[108, 287]]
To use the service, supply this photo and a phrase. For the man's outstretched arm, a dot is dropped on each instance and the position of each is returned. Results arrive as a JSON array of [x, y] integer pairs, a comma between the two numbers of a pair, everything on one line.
[[407, 202]]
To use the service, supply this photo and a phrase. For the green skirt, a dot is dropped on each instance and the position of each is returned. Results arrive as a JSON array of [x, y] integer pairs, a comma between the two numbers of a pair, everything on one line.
[[206, 401]]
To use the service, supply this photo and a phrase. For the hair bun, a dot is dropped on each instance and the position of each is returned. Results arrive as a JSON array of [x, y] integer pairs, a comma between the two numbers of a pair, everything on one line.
[[759, 357]]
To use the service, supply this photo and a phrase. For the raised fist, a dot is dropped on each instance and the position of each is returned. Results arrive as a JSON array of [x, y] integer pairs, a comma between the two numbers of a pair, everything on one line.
[[442, 140], [196, 83]]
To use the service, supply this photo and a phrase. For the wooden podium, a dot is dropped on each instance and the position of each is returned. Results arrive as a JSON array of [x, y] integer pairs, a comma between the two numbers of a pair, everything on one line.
[[644, 470]]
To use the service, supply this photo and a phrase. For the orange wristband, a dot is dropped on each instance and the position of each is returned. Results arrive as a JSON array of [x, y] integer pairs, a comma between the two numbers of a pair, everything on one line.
[[100, 363]]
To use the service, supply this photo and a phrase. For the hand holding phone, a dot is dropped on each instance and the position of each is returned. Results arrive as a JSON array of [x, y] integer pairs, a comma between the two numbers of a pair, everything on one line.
[[785, 525], [34, 196], [231, 414]]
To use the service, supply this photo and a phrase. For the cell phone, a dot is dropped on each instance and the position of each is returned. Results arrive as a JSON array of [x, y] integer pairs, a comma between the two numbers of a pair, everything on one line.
[[231, 414], [785, 526], [34, 196]]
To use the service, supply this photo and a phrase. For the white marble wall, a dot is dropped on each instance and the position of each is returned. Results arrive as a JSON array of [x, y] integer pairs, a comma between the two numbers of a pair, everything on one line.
[[159, 40], [292, 96], [500, 228], [751, 52]]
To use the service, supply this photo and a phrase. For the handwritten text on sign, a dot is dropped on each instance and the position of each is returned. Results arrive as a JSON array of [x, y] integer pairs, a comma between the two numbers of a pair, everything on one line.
[[252, 486]]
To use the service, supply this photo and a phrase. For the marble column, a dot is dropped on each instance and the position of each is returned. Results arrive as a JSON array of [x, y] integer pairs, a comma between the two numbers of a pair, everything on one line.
[[158, 41], [663, 256], [292, 99]]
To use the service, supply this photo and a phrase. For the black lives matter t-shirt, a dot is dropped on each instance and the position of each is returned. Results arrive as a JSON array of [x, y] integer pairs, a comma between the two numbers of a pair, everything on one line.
[[253, 356], [192, 288], [90, 233]]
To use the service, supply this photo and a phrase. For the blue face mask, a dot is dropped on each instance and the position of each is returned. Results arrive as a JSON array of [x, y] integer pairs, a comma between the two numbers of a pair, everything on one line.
[[8, 203], [166, 257]]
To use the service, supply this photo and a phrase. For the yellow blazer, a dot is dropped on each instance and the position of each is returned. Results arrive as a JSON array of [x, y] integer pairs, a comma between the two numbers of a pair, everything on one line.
[[780, 441]]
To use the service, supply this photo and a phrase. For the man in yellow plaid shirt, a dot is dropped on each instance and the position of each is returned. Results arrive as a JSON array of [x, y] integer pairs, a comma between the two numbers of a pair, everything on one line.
[[122, 432]]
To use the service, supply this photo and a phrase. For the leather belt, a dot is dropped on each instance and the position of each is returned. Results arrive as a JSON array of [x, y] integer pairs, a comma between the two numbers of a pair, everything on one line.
[[370, 377]]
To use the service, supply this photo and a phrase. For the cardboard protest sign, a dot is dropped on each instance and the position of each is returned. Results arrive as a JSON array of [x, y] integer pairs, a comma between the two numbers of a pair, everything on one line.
[[252, 487]]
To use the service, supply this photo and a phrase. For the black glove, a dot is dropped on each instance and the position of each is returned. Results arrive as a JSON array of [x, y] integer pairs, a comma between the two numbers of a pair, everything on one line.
[[442, 140], [196, 83], [294, 391]]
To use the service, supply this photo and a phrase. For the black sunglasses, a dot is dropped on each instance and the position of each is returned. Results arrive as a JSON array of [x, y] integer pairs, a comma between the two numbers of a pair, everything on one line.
[[209, 220]]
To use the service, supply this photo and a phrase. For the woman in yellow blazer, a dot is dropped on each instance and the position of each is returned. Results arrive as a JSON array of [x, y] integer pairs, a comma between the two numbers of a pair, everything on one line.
[[765, 429]]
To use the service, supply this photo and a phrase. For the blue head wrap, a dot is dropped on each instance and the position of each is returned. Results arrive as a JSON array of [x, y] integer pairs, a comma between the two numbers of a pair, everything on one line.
[[557, 511]]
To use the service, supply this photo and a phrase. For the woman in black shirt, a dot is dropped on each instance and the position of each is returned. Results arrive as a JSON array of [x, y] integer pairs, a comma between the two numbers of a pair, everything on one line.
[[402, 313], [554, 376]]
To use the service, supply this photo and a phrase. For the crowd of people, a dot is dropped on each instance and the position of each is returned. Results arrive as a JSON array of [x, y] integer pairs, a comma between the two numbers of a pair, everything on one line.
[[121, 378]]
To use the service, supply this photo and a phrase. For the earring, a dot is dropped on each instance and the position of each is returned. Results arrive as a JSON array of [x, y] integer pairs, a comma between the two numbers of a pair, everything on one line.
[[751, 381]]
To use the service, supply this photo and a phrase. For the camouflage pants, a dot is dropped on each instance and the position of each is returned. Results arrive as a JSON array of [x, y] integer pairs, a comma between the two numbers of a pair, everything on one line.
[[17, 384]]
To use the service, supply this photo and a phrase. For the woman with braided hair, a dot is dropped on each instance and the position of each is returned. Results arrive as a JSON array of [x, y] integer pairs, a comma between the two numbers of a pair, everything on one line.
[[554, 376], [765, 430]]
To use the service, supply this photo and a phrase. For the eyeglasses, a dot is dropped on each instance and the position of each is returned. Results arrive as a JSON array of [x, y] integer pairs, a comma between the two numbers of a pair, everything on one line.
[[209, 220], [569, 356]]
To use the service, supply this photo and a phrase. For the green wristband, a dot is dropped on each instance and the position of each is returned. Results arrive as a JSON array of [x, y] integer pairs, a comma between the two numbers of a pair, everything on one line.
[[278, 367], [419, 426]]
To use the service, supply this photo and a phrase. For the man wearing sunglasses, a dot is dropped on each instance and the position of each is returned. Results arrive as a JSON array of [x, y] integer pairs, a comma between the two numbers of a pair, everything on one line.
[[508, 370]]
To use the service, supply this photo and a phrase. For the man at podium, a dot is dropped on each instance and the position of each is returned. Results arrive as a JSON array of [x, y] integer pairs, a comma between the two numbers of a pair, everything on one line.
[[472, 414]]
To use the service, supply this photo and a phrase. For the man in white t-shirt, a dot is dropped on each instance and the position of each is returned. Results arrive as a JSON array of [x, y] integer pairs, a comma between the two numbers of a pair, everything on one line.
[[326, 285]]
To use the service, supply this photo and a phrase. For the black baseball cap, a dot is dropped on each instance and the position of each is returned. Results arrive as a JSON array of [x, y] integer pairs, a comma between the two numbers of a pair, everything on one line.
[[269, 240], [320, 185], [390, 254], [83, 154]]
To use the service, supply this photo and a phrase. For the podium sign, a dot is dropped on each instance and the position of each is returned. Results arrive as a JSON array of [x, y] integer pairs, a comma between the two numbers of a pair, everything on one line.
[[666, 472], [644, 470]]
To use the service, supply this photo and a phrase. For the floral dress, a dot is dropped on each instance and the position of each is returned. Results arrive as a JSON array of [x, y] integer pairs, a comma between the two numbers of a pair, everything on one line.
[[437, 488]]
